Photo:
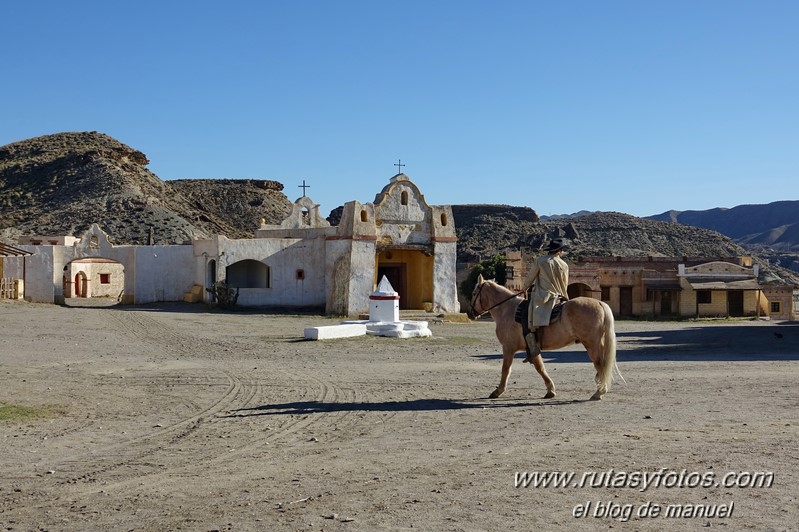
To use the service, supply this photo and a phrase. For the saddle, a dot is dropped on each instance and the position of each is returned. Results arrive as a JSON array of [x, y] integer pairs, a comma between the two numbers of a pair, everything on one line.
[[523, 311]]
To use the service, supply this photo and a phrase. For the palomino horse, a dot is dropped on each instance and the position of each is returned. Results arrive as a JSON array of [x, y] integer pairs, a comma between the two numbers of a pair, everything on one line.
[[583, 319]]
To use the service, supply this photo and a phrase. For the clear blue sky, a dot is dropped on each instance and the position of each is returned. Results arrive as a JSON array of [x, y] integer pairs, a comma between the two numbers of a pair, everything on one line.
[[630, 106]]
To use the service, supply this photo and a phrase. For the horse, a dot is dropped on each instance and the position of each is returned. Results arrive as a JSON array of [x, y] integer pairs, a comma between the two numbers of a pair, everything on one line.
[[583, 319]]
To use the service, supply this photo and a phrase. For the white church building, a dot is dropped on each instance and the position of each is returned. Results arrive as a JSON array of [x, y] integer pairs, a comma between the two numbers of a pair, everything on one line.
[[303, 262]]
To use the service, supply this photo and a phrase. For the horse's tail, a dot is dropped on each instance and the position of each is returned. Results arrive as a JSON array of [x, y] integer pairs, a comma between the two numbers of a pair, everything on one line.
[[608, 365]]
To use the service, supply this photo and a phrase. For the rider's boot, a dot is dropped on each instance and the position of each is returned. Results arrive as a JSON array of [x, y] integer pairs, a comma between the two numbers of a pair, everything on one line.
[[533, 347]]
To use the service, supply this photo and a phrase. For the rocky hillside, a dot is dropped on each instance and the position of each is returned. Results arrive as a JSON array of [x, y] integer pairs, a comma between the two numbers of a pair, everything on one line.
[[60, 184], [484, 231]]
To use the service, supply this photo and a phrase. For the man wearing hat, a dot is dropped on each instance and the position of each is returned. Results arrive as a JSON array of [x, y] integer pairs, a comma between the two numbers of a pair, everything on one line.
[[550, 275]]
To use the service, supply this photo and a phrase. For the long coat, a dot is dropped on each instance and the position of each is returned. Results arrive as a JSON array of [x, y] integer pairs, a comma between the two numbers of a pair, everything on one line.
[[550, 274]]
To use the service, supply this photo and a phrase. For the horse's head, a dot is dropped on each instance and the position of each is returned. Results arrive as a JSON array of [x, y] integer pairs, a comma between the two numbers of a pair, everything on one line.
[[476, 298], [488, 295]]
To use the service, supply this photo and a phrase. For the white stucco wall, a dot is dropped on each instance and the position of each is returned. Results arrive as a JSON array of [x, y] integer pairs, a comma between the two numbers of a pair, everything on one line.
[[362, 277], [445, 288], [38, 272], [152, 273], [337, 274], [162, 273], [284, 257]]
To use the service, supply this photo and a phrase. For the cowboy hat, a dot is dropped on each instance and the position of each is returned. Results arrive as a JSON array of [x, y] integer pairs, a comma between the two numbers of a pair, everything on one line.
[[556, 244]]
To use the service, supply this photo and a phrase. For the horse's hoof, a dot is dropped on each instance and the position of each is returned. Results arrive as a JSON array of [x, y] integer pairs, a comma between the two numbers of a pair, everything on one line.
[[549, 395], [596, 397], [495, 394]]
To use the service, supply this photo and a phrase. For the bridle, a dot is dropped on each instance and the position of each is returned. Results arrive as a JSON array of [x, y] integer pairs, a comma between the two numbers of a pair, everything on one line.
[[476, 298], [478, 294]]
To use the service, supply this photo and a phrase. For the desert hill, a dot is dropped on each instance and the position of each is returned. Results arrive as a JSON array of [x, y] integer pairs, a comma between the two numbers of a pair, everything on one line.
[[60, 184], [483, 230]]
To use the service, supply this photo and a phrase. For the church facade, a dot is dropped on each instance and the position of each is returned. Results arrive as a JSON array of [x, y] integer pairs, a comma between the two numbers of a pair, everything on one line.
[[302, 262]]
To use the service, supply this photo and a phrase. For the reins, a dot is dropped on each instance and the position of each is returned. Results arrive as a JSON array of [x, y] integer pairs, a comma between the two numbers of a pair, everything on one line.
[[476, 298]]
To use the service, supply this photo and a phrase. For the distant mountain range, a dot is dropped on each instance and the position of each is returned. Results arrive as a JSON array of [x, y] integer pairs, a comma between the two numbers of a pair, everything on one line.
[[60, 184], [773, 225], [770, 231]]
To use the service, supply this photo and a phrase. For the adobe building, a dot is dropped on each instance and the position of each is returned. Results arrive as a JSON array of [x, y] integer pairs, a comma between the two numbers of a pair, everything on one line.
[[302, 262], [680, 287]]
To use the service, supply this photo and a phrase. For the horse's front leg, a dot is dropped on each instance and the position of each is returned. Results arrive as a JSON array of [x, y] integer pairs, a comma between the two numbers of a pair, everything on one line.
[[507, 362], [538, 363]]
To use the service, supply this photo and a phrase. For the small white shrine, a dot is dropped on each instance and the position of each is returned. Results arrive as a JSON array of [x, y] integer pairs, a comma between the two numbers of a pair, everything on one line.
[[383, 320]]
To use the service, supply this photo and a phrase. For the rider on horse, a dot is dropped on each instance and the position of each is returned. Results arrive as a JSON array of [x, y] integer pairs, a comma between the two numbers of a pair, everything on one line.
[[550, 275]]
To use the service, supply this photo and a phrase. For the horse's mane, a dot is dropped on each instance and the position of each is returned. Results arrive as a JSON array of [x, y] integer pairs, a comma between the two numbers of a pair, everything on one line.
[[501, 288]]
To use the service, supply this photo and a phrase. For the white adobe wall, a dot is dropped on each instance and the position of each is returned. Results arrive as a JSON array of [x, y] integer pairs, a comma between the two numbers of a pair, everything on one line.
[[161, 273], [445, 287], [152, 273], [337, 274], [362, 277], [38, 269], [283, 256]]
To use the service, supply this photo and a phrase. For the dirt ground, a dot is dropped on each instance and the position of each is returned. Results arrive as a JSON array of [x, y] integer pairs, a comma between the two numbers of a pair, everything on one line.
[[174, 417]]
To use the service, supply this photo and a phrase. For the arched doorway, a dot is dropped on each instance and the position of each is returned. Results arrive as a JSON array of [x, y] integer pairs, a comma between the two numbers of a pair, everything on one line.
[[248, 273], [210, 280], [252, 280], [579, 290], [81, 284]]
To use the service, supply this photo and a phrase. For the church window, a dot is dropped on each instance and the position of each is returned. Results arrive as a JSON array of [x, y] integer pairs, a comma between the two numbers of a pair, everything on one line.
[[105, 278], [300, 275], [703, 296], [775, 307], [248, 274], [404, 197], [364, 215], [605, 293], [443, 219]]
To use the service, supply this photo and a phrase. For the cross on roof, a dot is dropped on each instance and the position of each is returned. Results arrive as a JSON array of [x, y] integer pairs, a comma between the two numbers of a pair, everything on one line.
[[399, 165], [303, 187]]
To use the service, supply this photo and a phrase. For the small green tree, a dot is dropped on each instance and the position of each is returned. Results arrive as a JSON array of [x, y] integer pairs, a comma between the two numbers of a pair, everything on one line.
[[493, 268]]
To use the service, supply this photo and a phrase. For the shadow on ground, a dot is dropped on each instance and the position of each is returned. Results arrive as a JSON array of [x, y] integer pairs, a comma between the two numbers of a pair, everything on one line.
[[699, 343], [414, 405]]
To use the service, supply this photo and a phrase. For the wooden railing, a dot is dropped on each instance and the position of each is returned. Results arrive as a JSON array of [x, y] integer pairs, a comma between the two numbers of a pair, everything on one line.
[[9, 288]]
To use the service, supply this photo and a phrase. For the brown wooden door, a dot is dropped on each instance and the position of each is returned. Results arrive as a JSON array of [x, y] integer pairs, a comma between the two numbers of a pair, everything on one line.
[[665, 302], [735, 302], [625, 301], [80, 288]]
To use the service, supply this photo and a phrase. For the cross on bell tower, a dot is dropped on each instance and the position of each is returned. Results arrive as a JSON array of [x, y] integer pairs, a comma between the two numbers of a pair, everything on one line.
[[303, 187], [399, 165]]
